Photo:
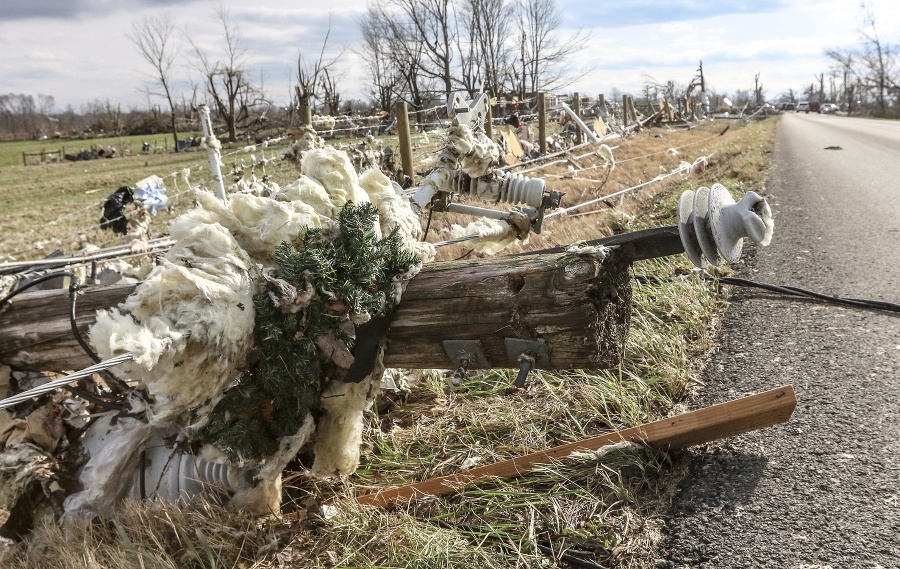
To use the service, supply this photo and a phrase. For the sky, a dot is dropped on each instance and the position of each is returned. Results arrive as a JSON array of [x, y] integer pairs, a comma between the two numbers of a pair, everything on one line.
[[78, 51]]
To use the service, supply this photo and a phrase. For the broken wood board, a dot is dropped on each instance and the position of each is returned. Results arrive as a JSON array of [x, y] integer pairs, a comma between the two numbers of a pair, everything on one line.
[[508, 132], [696, 427], [576, 305]]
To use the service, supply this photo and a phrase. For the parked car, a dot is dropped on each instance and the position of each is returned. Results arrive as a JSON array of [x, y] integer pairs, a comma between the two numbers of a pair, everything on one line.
[[829, 108], [803, 106], [814, 106], [787, 106]]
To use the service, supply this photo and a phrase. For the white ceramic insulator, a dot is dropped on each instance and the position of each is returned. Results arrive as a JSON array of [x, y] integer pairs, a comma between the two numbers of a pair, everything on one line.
[[176, 476], [713, 227], [522, 189]]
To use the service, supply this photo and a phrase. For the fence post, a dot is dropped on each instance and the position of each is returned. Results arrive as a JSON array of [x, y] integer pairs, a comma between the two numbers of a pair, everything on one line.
[[576, 107], [542, 122], [405, 143], [489, 121], [212, 151]]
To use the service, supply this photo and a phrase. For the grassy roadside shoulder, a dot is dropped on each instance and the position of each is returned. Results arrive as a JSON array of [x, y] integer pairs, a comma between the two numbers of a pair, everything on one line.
[[602, 509]]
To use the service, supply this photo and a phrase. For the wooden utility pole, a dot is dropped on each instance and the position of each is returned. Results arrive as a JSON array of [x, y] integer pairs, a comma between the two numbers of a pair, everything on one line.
[[542, 122], [405, 141], [574, 307]]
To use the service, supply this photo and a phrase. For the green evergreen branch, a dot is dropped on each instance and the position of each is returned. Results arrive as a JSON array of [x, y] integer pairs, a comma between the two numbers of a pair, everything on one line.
[[351, 275]]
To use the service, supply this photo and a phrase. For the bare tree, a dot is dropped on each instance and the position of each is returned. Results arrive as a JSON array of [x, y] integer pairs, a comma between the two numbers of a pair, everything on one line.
[[542, 52], [879, 58], [434, 21], [758, 90], [154, 38], [844, 59], [385, 75], [428, 28], [407, 53], [330, 93], [487, 57], [227, 81], [311, 76]]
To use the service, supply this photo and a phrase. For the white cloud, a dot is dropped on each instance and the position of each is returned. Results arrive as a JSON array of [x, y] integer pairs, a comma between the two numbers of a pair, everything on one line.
[[87, 56]]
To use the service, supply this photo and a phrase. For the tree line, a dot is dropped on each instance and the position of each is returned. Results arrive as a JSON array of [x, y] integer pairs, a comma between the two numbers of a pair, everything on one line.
[[862, 79], [416, 51]]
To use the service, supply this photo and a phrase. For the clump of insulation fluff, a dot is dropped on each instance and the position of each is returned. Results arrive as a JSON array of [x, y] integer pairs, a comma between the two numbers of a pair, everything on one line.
[[257, 224], [493, 235], [395, 213], [607, 154], [477, 154], [470, 151], [332, 168], [309, 192], [189, 324], [769, 221], [193, 324], [305, 138]]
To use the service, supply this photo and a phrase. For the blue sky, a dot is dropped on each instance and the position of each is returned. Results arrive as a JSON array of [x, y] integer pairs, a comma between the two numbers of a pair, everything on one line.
[[77, 50]]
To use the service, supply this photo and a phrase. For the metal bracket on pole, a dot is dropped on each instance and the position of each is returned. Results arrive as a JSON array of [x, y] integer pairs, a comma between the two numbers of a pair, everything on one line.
[[526, 355], [470, 113], [212, 149], [469, 349], [465, 354]]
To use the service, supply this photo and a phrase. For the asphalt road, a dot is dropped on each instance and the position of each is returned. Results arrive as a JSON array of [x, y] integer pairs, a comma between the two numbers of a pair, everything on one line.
[[823, 490]]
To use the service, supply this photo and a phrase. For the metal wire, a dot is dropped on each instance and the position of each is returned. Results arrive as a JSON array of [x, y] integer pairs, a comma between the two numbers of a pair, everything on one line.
[[71, 378]]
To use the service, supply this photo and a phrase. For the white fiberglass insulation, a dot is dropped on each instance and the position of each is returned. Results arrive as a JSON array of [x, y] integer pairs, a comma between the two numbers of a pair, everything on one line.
[[493, 235], [202, 288], [190, 324], [395, 213]]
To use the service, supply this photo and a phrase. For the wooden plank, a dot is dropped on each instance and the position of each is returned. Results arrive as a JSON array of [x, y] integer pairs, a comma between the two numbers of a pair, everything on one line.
[[693, 428]]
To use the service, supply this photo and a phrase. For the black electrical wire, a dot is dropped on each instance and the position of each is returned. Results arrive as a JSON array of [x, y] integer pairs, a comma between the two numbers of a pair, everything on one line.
[[789, 291], [464, 255], [96, 400], [116, 384], [73, 292], [36, 281], [428, 223], [78, 392], [797, 291]]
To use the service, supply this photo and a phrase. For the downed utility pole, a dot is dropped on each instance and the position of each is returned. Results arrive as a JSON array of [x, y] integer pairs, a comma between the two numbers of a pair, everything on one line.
[[568, 309], [572, 308], [696, 427]]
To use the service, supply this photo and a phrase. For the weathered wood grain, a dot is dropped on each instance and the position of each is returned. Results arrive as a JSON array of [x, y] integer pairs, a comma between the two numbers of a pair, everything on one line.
[[577, 304]]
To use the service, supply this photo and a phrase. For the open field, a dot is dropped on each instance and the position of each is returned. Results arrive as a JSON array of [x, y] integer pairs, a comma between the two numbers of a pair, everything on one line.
[[603, 510]]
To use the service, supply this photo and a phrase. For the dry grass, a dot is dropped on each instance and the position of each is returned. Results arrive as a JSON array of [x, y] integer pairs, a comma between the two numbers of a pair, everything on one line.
[[602, 509]]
